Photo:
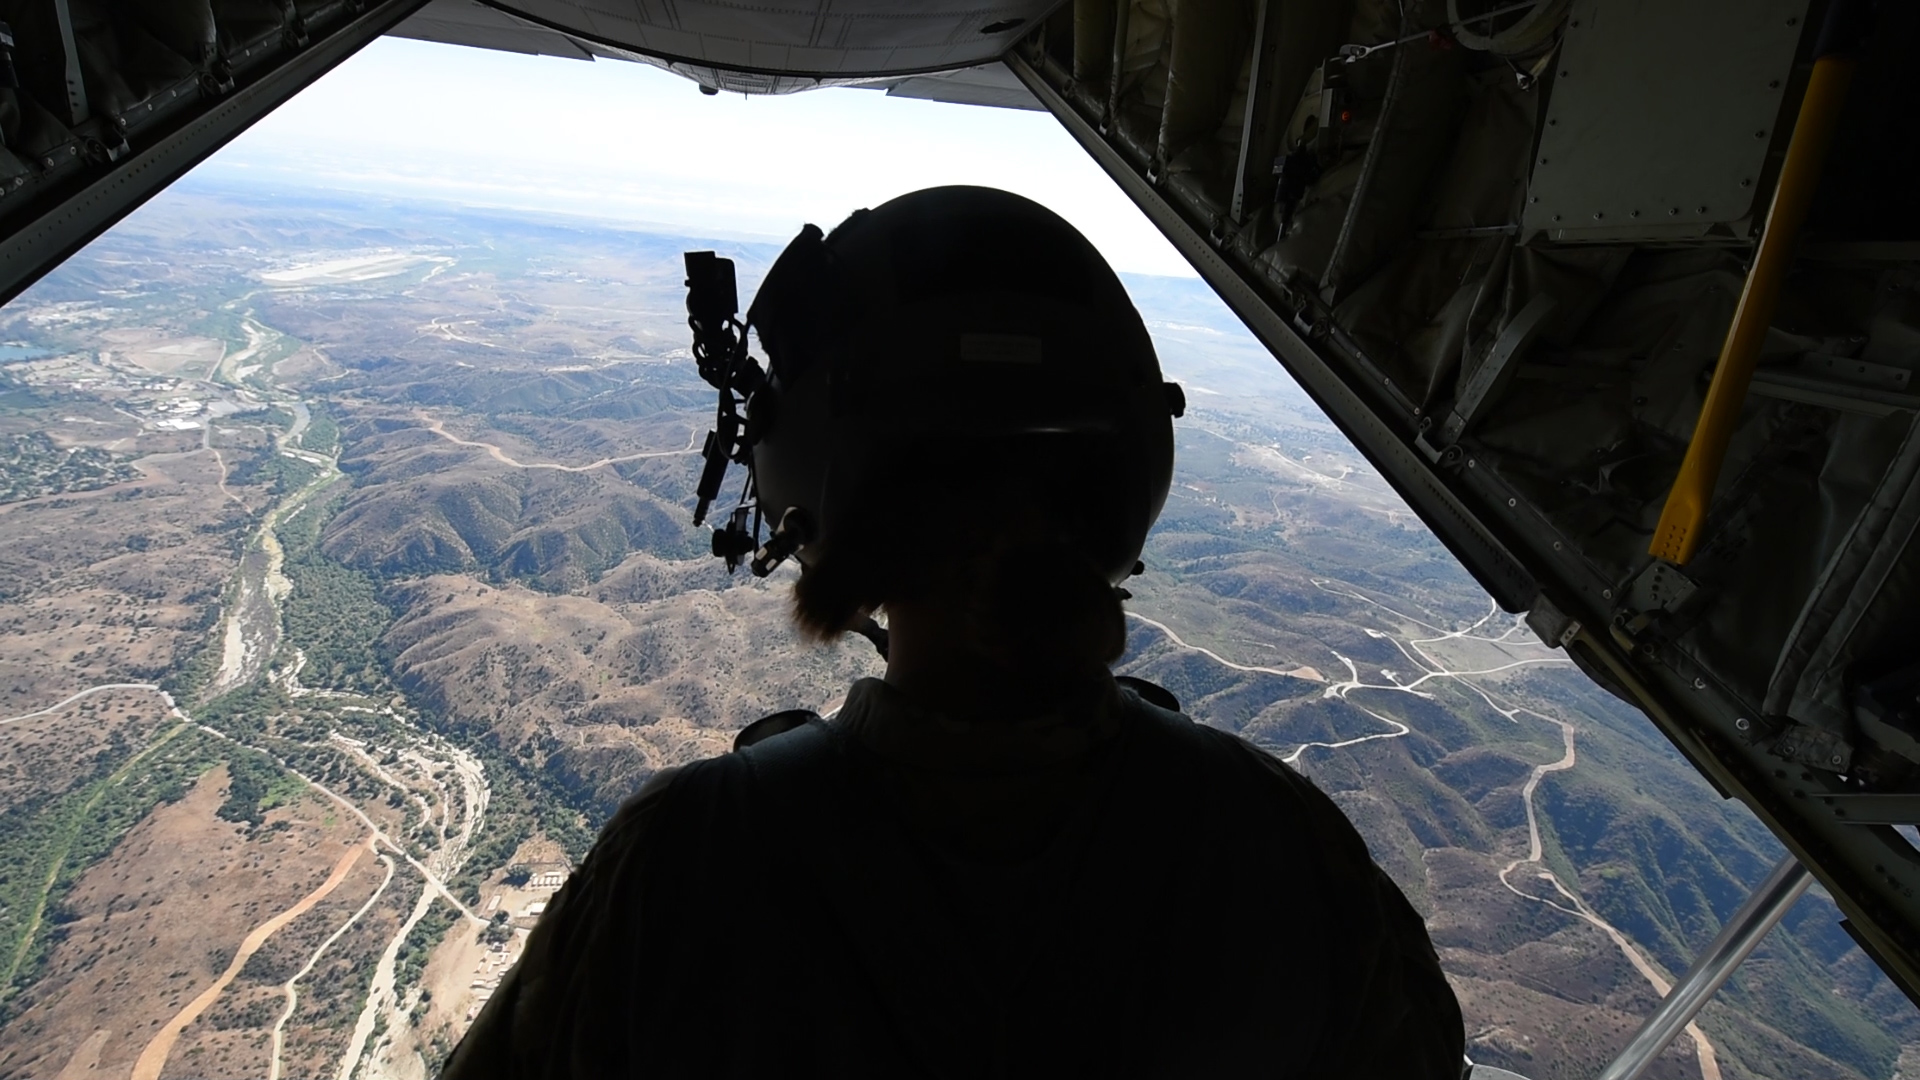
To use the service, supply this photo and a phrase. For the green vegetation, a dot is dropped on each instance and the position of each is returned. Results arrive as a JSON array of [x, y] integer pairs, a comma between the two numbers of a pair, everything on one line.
[[299, 532], [334, 615], [499, 931], [243, 711], [281, 473], [31, 465], [323, 432], [335, 618], [47, 843], [257, 784], [190, 677], [516, 807], [421, 942]]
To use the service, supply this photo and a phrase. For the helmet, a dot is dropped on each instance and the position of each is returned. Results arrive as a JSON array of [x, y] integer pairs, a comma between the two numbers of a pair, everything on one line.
[[940, 346]]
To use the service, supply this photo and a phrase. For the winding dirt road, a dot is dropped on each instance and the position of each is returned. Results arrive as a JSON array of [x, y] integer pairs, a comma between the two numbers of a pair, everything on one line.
[[89, 692], [439, 428], [289, 989], [154, 1057], [1704, 1052], [1305, 673], [1430, 667]]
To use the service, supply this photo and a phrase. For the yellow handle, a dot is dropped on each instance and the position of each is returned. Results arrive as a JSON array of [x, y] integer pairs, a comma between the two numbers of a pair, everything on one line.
[[1678, 534]]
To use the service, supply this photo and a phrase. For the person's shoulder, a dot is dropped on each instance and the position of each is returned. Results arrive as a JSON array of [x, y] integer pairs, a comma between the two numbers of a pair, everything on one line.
[[1158, 712], [778, 760], [1233, 767]]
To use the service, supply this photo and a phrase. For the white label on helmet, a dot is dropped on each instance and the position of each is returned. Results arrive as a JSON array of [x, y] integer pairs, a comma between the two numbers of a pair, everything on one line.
[[999, 349]]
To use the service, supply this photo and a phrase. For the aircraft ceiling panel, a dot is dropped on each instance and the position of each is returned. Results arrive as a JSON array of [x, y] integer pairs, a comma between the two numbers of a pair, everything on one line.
[[824, 39], [990, 84], [1690, 153], [470, 23]]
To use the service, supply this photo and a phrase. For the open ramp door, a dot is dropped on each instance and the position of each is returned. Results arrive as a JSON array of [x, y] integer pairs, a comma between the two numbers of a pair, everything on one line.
[[1503, 246]]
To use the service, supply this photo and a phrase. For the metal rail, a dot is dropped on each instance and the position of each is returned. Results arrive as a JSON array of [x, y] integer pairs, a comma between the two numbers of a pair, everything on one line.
[[1715, 964]]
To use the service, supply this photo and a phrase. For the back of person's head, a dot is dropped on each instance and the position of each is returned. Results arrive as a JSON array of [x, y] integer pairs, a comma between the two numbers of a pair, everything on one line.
[[963, 409]]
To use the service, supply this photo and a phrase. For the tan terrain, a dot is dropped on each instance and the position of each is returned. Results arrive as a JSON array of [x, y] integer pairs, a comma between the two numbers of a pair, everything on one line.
[[113, 585], [156, 926], [516, 625]]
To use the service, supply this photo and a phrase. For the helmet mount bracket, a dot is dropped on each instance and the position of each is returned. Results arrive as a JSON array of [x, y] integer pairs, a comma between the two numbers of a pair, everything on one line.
[[720, 351]]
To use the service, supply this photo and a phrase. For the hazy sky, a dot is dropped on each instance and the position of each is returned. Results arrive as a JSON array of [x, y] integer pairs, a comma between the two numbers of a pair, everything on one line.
[[632, 142]]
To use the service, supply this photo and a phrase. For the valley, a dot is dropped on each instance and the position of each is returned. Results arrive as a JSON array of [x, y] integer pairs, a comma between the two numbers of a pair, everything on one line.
[[350, 585]]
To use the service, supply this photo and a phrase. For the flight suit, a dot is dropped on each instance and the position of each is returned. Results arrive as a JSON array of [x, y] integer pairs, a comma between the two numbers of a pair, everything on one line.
[[1108, 891]]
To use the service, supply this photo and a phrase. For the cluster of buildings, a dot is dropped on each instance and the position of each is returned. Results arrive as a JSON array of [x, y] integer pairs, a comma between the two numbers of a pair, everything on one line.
[[524, 904], [160, 401]]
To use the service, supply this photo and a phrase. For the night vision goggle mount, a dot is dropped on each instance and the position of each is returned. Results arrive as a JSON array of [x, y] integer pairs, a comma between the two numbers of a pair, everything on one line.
[[720, 350]]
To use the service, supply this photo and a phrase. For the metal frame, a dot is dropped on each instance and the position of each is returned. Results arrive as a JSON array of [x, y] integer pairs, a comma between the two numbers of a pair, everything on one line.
[[77, 112], [1253, 174], [1456, 526], [1743, 932], [1872, 874], [66, 224]]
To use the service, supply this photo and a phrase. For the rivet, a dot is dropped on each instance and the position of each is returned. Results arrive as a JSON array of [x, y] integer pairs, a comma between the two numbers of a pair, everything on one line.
[[1606, 594], [1552, 120], [1556, 545], [1773, 84], [1472, 464], [1743, 723], [1703, 209], [1534, 199], [1556, 217], [1835, 760], [1543, 161], [1633, 213], [1599, 215], [1675, 212], [1791, 21], [1699, 684], [1747, 182], [1512, 503], [1760, 134]]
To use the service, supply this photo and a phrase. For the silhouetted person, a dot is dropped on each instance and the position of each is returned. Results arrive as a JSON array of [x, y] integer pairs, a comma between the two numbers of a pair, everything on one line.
[[998, 860]]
